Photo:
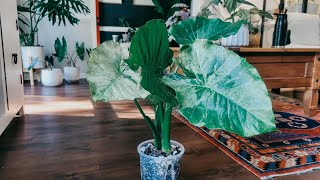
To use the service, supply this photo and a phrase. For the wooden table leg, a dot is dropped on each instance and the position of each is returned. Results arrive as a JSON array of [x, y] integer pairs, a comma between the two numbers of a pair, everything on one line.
[[310, 101]]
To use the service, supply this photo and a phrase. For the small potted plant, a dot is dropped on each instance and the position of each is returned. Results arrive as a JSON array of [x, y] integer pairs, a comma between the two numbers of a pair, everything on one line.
[[31, 13], [71, 71], [218, 89], [232, 10], [51, 77]]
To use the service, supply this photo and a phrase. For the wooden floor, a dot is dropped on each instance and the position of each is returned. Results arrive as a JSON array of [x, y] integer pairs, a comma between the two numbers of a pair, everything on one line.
[[64, 137]]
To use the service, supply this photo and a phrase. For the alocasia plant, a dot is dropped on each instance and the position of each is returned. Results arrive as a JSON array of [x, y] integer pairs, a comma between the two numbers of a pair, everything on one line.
[[220, 91], [61, 52]]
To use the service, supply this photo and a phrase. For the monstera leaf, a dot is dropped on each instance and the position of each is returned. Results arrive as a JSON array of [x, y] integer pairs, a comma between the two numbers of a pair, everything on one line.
[[110, 78], [187, 31], [227, 92], [150, 50]]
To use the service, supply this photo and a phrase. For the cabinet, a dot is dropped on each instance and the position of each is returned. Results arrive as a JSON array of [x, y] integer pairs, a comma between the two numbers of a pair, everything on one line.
[[11, 80]]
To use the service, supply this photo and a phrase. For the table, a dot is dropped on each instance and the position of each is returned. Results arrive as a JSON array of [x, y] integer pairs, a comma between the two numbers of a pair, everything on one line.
[[286, 68]]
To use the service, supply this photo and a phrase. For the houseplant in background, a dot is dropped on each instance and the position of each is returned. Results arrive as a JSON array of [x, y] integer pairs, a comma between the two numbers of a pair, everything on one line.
[[51, 77], [32, 12], [71, 71], [218, 89], [233, 10]]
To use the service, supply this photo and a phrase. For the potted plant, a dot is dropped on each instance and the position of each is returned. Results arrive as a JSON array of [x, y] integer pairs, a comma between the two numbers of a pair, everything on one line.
[[51, 77], [30, 14], [126, 37], [71, 71], [232, 10], [218, 89]]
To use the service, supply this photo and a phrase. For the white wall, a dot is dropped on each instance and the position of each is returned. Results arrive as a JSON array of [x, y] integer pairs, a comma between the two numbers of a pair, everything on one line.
[[85, 32]]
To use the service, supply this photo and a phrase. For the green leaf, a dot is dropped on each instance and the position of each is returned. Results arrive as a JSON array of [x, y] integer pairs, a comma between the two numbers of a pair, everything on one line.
[[34, 61], [109, 76], [230, 5], [164, 7], [243, 15], [60, 48], [227, 92], [80, 50], [150, 51], [187, 31], [50, 61], [61, 10], [216, 2], [261, 13]]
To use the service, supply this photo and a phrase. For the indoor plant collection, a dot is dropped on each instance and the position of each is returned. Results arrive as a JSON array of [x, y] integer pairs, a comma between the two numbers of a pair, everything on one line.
[[218, 89], [32, 12], [71, 71], [232, 10]]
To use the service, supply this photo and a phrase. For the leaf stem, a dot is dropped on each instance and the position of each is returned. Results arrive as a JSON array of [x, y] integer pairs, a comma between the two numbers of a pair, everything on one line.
[[165, 131], [157, 138]]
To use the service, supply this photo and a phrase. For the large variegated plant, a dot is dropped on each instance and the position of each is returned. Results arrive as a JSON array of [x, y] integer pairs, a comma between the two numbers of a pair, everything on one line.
[[220, 91]]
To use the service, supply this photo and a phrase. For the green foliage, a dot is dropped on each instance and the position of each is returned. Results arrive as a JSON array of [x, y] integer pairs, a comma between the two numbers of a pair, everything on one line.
[[164, 7], [32, 12], [187, 31], [219, 90], [150, 51], [60, 10], [226, 93], [61, 52], [50, 61], [232, 6], [80, 50], [60, 49], [109, 76], [33, 62]]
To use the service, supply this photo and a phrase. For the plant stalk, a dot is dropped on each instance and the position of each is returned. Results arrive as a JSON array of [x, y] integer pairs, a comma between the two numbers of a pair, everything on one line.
[[165, 131], [159, 116], [156, 135]]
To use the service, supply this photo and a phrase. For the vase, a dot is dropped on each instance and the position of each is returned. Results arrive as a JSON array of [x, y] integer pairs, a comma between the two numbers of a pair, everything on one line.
[[71, 74], [29, 53], [160, 168], [51, 77], [241, 38]]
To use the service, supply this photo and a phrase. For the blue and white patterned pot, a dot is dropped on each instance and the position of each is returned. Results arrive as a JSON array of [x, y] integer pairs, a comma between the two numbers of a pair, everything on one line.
[[160, 168]]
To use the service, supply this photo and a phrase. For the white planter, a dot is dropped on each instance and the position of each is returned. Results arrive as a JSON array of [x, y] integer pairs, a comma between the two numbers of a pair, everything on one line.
[[239, 39], [29, 52], [52, 77], [160, 167], [71, 74]]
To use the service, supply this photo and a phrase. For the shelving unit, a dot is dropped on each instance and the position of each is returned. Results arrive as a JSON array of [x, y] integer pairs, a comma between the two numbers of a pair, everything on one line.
[[11, 80]]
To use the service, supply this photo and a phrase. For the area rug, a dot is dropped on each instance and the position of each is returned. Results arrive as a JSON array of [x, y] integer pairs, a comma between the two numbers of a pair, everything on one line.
[[294, 149]]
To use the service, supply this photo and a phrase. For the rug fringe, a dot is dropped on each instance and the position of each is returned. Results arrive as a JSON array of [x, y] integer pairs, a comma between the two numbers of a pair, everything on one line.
[[291, 173]]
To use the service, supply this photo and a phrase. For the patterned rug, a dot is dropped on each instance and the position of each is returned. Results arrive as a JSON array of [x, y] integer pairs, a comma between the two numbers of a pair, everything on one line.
[[294, 149]]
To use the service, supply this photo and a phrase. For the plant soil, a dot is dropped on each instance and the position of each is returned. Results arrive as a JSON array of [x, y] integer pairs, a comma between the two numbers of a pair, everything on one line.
[[152, 151]]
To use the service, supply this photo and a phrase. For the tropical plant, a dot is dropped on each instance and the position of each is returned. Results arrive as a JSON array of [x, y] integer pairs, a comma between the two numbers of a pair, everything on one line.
[[164, 7], [32, 12], [219, 89], [61, 52], [50, 61], [235, 11]]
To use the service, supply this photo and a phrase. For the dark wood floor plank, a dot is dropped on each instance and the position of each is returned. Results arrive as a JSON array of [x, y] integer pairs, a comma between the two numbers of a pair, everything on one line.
[[72, 140]]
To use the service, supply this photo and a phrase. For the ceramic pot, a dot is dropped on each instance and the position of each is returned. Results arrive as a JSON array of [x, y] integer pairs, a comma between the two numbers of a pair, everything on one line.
[[33, 52], [52, 77], [71, 74], [159, 168], [239, 39]]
